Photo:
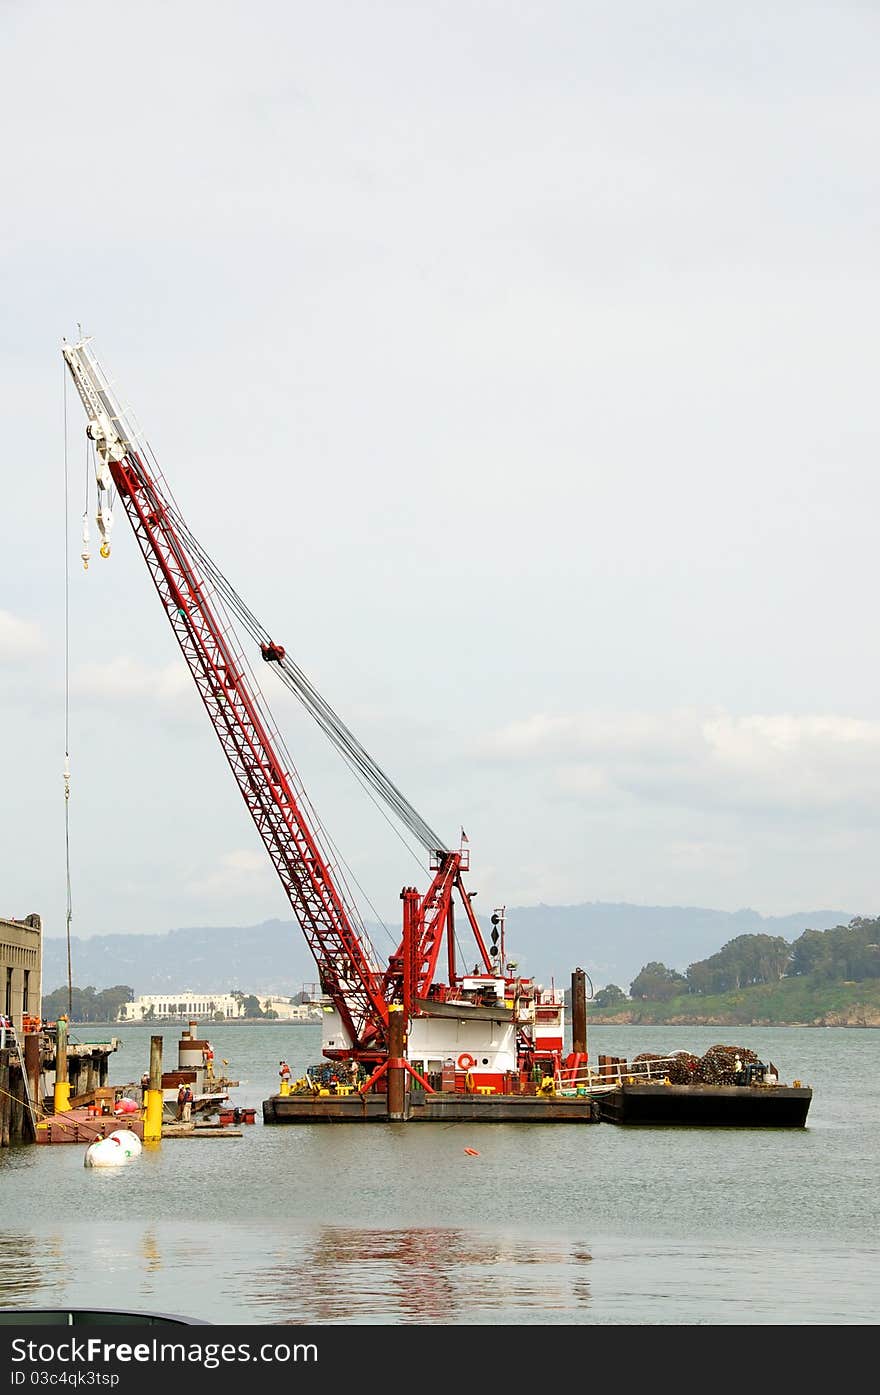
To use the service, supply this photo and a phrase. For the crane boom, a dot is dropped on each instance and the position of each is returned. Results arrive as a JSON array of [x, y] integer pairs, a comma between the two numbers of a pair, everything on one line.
[[349, 973], [360, 993]]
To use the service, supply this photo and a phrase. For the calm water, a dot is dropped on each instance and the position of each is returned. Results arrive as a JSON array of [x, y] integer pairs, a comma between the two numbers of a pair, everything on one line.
[[550, 1224]]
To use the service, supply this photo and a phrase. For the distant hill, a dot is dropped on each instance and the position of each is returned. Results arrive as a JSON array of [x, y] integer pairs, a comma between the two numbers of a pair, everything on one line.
[[611, 941]]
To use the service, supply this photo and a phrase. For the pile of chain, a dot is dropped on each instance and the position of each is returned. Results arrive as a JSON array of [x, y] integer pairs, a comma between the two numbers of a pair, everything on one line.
[[642, 1067], [716, 1067], [684, 1068], [326, 1075], [718, 1064]]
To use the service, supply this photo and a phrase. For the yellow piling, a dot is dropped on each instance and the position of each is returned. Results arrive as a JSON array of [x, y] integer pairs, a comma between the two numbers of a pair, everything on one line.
[[61, 1097], [153, 1101]]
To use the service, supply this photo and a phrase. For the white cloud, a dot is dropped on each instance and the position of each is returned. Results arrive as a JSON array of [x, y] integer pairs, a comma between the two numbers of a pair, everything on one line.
[[19, 639], [585, 733], [799, 763], [125, 679], [239, 872]]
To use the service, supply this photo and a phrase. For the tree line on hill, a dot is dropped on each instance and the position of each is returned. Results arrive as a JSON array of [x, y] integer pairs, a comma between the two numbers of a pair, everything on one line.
[[846, 953]]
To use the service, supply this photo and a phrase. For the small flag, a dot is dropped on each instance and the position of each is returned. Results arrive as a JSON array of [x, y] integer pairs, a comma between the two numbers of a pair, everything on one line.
[[464, 836]]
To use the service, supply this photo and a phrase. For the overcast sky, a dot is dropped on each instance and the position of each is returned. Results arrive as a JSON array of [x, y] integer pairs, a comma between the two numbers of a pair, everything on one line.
[[517, 364]]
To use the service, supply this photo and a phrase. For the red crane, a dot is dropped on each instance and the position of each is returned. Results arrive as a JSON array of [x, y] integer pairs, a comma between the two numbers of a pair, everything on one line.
[[197, 599]]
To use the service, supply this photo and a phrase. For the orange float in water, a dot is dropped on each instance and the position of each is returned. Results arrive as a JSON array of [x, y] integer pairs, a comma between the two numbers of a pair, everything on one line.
[[472, 1152]]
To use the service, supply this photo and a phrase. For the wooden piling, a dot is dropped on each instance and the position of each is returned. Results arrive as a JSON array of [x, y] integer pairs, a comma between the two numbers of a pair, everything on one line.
[[16, 1107], [5, 1101], [396, 1073], [32, 1067], [579, 1012]]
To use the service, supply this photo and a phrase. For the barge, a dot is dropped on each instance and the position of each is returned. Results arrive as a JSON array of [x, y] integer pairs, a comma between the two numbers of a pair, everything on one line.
[[437, 1108], [726, 1087], [743, 1106]]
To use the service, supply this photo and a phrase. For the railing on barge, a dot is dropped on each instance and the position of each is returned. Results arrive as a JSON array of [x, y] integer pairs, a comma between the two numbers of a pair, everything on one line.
[[613, 1073]]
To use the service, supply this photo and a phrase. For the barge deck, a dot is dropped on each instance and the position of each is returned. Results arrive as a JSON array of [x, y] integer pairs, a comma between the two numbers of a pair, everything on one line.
[[443, 1108]]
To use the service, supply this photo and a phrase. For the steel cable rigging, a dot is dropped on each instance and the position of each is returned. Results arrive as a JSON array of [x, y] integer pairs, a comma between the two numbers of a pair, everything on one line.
[[318, 708], [205, 613]]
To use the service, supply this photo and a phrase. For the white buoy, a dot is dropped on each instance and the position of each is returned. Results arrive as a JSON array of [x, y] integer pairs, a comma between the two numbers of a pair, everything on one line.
[[120, 1146]]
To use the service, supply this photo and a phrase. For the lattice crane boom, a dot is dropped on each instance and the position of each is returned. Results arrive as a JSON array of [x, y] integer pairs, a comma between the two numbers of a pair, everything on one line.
[[349, 974]]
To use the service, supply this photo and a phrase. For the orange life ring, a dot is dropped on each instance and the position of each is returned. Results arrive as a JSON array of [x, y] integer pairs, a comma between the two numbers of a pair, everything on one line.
[[465, 1061]]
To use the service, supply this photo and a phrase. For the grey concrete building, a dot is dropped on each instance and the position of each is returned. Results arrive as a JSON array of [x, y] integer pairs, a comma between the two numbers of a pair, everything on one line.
[[21, 968]]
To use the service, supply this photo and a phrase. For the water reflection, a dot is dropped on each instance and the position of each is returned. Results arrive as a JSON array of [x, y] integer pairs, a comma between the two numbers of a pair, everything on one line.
[[420, 1275], [23, 1270], [152, 1252]]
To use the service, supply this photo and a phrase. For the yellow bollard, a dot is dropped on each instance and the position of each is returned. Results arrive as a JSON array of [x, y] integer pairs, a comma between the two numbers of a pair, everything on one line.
[[61, 1093], [154, 1104], [153, 1097], [284, 1088]]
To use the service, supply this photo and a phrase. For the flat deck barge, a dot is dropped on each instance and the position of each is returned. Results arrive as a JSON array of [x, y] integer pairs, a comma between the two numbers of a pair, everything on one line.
[[439, 1108], [748, 1106]]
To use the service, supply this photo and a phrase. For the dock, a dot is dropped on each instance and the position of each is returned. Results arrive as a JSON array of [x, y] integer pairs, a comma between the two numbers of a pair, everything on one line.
[[81, 1126], [200, 1131], [28, 1068]]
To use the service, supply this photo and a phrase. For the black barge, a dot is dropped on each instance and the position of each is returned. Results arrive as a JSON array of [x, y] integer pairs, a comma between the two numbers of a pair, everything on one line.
[[744, 1106]]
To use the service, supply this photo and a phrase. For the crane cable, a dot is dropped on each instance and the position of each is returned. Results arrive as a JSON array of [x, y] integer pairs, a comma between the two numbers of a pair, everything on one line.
[[69, 916], [260, 636], [364, 768], [256, 631], [227, 597], [330, 723]]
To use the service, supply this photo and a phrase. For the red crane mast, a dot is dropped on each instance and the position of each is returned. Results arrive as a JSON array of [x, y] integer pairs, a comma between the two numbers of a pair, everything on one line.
[[182, 574]]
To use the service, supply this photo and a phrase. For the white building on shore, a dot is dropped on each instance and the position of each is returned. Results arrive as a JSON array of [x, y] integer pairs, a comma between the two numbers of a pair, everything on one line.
[[286, 1010], [181, 1006]]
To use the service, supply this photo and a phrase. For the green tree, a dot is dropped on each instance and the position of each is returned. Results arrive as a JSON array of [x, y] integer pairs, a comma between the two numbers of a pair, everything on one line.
[[741, 963], [85, 1004], [807, 953], [110, 1000], [609, 996], [845, 953], [656, 983]]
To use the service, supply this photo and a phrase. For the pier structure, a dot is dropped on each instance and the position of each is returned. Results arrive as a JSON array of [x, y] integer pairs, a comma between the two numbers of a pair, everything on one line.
[[21, 965], [21, 961]]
